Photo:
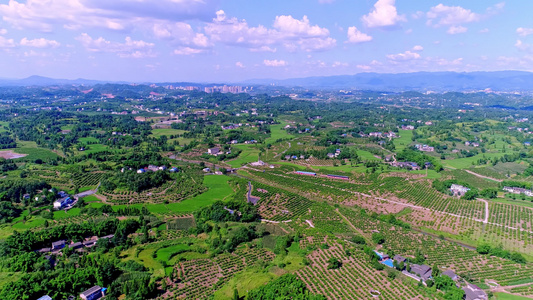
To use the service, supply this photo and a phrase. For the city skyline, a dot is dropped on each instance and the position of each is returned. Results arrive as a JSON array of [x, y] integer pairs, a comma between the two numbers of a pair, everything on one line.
[[231, 41]]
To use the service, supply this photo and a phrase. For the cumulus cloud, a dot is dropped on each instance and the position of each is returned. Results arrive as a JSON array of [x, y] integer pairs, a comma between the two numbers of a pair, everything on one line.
[[274, 63], [39, 43], [524, 31], [418, 48], [3, 31], [453, 16], [239, 64], [442, 15], [383, 15], [456, 29], [291, 33], [6, 43], [130, 48], [356, 36], [405, 56], [181, 35]]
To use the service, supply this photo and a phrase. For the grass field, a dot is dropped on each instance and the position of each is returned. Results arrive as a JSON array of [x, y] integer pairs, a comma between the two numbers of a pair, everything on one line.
[[277, 132], [219, 189], [365, 155], [33, 151], [90, 198], [61, 214], [504, 296], [250, 153], [464, 163], [165, 131], [404, 140], [165, 254]]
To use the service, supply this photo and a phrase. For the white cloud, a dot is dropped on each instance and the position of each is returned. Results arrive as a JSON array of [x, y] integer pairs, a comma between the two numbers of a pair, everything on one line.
[[293, 34], [239, 64], [326, 1], [339, 64], [130, 48], [524, 31], [451, 15], [418, 48], [182, 35], [484, 30], [407, 55], [383, 15], [356, 36], [39, 43], [274, 63], [187, 51], [456, 29], [115, 15], [3, 31], [6, 43]]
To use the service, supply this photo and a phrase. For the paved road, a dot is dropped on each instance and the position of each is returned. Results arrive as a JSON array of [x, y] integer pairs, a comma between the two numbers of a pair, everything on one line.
[[83, 194]]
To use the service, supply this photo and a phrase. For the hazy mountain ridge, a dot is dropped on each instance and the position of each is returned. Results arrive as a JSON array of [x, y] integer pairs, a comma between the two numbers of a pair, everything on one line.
[[420, 81]]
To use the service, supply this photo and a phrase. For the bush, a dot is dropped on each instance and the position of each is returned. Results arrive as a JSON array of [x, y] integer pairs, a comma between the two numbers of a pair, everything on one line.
[[378, 238]]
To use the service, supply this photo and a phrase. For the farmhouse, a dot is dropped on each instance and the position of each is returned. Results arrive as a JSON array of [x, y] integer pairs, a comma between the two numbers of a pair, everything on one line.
[[425, 148], [473, 292], [424, 271], [458, 190], [45, 297], [58, 245], [62, 202], [338, 177], [258, 163], [399, 258], [451, 274], [93, 293], [76, 245], [408, 127], [213, 151], [518, 191]]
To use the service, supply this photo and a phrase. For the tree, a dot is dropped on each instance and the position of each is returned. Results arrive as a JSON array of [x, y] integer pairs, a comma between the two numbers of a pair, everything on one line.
[[236, 294], [334, 263], [378, 238]]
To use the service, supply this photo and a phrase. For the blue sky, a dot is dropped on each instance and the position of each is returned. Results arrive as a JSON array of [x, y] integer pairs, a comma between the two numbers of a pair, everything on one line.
[[233, 40]]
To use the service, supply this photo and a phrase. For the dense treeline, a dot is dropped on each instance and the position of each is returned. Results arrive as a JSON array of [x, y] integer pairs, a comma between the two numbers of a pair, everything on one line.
[[285, 287]]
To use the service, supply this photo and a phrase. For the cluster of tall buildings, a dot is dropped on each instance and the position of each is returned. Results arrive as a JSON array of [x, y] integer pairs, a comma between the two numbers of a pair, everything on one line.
[[223, 89], [209, 89]]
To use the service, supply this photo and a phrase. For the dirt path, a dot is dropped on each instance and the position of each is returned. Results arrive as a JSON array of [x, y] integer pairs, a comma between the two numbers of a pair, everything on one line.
[[486, 219], [283, 150], [481, 176], [506, 289], [349, 223]]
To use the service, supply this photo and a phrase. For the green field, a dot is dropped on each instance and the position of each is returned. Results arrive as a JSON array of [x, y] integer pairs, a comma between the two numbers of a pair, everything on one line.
[[219, 189], [166, 131], [504, 296], [277, 132], [464, 163], [404, 140], [365, 155], [61, 214], [165, 254], [250, 153], [33, 151]]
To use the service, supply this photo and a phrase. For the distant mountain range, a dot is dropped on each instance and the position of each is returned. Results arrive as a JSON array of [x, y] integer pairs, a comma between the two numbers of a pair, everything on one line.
[[419, 81], [45, 81]]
